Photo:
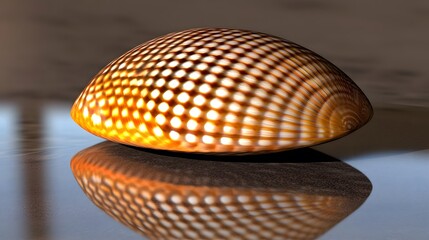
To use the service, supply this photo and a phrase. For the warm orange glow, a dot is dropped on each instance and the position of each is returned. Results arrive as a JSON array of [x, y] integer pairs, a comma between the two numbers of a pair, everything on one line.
[[221, 90], [166, 197]]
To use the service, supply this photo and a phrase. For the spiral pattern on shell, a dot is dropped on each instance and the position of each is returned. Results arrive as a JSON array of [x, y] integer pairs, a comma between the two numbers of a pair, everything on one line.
[[221, 91]]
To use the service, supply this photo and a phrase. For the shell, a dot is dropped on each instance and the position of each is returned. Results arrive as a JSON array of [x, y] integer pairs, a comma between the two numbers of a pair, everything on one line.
[[221, 91], [170, 197]]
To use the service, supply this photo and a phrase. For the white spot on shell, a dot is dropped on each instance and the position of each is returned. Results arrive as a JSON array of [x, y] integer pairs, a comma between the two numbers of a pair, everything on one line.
[[234, 90]]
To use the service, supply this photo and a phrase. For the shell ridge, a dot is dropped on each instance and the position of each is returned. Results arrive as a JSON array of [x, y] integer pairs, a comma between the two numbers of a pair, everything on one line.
[[221, 90]]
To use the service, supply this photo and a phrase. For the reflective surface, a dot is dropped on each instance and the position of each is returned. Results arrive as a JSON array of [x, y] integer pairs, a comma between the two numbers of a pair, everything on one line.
[[40, 193], [295, 195]]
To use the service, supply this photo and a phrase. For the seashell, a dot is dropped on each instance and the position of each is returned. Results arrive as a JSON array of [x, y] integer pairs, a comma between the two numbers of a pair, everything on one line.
[[221, 91], [165, 196]]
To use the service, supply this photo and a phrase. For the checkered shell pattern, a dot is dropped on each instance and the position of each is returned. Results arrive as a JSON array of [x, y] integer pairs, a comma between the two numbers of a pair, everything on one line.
[[158, 205], [221, 91]]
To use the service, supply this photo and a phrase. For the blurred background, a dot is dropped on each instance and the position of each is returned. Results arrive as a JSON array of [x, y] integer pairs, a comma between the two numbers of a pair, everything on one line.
[[50, 50]]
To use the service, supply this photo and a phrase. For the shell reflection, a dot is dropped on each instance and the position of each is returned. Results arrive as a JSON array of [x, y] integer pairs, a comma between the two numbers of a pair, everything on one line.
[[214, 197]]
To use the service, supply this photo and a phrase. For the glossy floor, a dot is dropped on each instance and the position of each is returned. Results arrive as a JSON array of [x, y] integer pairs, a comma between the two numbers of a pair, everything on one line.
[[40, 193]]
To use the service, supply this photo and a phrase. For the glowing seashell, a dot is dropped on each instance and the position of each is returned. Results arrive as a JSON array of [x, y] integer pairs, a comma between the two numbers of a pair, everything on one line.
[[221, 90], [179, 197]]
